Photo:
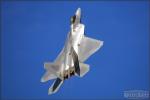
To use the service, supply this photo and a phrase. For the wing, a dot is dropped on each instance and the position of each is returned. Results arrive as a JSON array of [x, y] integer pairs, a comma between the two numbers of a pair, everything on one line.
[[53, 67], [48, 76], [52, 71], [60, 57], [87, 47]]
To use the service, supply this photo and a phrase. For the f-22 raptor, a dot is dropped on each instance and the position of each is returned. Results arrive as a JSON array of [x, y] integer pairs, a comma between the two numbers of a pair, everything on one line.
[[70, 61]]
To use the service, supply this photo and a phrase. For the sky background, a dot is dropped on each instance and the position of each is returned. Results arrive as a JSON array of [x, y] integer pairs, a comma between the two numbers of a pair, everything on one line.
[[35, 32]]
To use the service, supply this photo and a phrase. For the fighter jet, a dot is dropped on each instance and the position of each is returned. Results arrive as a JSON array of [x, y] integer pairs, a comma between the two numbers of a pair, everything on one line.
[[70, 61]]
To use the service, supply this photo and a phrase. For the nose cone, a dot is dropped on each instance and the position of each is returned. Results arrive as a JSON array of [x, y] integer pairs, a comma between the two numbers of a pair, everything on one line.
[[78, 12]]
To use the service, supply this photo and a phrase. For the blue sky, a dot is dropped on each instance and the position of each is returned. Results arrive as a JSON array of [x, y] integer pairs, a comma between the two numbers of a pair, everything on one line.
[[35, 32]]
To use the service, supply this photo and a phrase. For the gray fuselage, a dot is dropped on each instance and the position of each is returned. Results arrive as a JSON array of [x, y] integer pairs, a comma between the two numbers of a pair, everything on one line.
[[73, 40]]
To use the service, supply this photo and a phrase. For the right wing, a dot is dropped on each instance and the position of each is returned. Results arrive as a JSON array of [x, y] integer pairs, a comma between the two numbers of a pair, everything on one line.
[[87, 47]]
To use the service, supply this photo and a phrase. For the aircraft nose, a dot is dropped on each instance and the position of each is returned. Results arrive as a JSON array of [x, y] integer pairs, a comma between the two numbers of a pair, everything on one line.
[[78, 12]]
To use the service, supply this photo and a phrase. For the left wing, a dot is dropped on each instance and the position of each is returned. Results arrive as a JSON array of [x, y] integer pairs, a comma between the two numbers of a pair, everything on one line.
[[87, 47]]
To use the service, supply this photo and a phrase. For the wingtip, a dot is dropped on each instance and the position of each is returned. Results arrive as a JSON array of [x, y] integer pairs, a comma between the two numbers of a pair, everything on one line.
[[102, 43], [42, 80]]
